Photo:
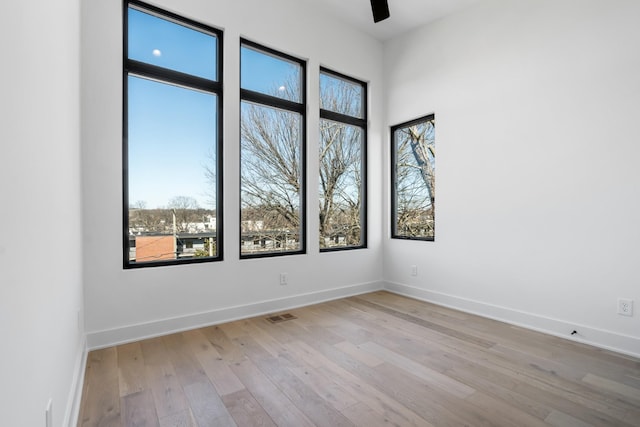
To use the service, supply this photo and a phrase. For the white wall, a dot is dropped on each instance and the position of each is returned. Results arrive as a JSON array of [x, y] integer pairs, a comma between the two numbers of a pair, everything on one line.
[[40, 252], [536, 104], [125, 305], [538, 205]]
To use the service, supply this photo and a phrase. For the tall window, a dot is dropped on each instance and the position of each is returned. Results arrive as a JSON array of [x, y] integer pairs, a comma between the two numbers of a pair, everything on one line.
[[272, 153], [342, 158], [413, 182], [172, 139]]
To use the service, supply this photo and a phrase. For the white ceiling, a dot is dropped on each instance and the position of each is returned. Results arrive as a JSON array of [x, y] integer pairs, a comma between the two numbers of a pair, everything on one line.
[[405, 14]]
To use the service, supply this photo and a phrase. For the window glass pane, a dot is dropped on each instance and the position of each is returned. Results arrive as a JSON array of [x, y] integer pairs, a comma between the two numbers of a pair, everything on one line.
[[271, 177], [172, 175], [270, 75], [414, 186], [167, 44], [340, 184], [341, 96]]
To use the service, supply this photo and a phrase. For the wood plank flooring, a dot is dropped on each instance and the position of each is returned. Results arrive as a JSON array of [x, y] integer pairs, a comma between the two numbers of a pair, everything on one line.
[[373, 360]]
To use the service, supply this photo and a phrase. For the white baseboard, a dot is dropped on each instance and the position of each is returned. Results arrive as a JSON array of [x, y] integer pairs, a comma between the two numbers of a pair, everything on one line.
[[95, 340], [111, 337], [75, 396], [588, 335]]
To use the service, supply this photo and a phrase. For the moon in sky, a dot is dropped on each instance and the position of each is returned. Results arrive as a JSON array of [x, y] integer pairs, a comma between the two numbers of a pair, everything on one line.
[[156, 52]]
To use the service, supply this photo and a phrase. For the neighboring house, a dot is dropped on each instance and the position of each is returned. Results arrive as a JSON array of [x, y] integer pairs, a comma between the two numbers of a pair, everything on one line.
[[158, 247]]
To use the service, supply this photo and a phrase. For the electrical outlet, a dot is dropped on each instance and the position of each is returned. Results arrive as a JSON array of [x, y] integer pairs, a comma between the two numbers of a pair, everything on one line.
[[625, 307], [49, 414], [414, 270], [284, 280]]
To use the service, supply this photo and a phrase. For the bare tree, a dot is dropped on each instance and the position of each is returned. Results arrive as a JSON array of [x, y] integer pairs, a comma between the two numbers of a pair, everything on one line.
[[341, 161], [340, 182], [271, 181], [211, 177], [271, 175], [138, 204], [340, 158], [415, 179], [186, 210], [183, 202], [141, 219], [271, 172]]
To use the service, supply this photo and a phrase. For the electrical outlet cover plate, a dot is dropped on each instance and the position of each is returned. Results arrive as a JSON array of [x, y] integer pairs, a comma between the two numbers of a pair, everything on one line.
[[625, 307]]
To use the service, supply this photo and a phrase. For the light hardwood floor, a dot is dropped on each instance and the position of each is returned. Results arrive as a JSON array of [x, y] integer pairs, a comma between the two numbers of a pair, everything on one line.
[[373, 360]]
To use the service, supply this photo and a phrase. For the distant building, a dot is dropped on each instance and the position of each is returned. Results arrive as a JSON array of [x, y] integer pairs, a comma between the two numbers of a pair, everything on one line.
[[252, 225], [158, 247], [153, 248]]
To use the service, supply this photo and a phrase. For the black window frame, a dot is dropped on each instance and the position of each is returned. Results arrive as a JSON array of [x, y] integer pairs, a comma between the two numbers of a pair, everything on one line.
[[266, 100], [361, 123], [180, 79], [394, 196]]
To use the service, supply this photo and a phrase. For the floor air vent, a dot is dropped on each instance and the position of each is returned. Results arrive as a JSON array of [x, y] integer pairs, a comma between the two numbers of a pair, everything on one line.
[[281, 318]]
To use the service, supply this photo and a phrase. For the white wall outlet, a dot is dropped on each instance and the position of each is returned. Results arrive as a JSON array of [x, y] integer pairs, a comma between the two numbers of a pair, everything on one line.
[[284, 279], [48, 412], [625, 307], [414, 270]]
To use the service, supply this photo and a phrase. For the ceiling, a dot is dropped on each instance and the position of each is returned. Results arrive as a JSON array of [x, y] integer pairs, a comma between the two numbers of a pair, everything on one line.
[[405, 14]]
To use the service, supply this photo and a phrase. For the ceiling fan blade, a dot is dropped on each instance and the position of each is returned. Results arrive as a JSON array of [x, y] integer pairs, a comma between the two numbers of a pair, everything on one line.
[[380, 10]]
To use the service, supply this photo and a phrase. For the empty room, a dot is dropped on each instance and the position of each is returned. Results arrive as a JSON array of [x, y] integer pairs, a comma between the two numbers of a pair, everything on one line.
[[224, 213]]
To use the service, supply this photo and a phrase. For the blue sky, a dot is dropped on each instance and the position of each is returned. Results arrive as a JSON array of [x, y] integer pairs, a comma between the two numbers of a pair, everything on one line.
[[172, 138], [274, 76], [166, 44], [172, 133]]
